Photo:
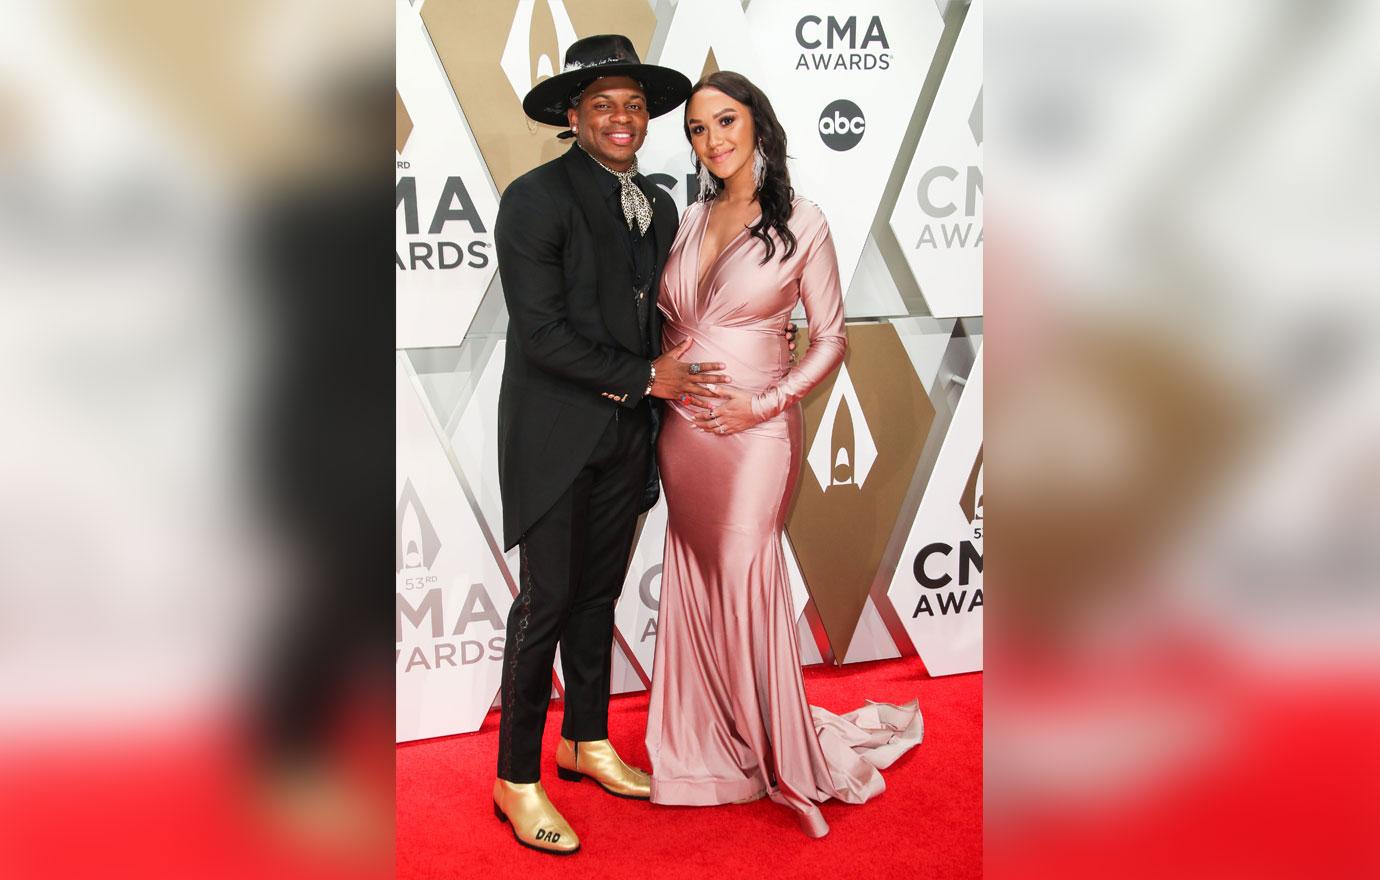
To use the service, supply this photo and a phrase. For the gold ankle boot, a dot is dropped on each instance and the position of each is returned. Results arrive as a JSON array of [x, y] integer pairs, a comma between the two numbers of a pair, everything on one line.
[[536, 822], [598, 761]]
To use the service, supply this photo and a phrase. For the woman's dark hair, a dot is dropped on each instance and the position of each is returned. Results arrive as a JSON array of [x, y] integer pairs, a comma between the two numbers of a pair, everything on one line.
[[775, 195]]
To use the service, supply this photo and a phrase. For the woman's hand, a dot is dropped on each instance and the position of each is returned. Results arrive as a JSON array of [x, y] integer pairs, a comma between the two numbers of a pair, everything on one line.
[[728, 413]]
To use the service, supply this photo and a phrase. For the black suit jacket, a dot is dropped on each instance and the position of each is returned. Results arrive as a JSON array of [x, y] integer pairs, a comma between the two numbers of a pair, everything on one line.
[[575, 354]]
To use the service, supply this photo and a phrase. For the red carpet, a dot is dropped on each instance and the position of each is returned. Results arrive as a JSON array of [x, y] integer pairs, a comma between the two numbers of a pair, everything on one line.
[[928, 823]]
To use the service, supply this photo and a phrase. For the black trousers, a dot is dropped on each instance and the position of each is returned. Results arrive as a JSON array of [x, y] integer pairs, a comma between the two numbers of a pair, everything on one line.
[[573, 563]]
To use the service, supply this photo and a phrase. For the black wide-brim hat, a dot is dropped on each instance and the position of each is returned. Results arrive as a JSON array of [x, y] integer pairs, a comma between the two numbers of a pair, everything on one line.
[[599, 56]]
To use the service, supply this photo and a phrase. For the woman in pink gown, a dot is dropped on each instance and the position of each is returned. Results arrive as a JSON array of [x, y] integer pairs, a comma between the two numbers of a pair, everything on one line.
[[728, 719]]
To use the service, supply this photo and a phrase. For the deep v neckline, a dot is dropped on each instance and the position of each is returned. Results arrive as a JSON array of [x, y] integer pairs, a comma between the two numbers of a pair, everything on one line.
[[703, 275]]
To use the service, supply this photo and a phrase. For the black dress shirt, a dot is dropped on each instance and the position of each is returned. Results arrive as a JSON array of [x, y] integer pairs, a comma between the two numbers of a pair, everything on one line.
[[641, 249]]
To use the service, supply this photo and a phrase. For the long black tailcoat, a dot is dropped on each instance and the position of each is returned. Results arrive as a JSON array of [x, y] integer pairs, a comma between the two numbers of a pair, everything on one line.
[[575, 354]]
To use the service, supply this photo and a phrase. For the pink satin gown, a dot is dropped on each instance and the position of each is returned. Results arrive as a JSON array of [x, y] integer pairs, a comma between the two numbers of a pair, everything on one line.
[[728, 718]]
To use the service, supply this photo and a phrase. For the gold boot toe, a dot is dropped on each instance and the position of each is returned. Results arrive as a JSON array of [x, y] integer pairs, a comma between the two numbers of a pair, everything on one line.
[[537, 824]]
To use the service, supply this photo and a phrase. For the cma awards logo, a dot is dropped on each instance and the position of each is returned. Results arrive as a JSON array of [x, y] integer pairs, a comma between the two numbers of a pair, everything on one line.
[[844, 454], [842, 44], [453, 635], [939, 565], [538, 27], [415, 542], [944, 190], [841, 125], [454, 205]]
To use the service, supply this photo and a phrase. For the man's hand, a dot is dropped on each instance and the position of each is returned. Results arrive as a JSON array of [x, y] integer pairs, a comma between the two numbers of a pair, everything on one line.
[[675, 381]]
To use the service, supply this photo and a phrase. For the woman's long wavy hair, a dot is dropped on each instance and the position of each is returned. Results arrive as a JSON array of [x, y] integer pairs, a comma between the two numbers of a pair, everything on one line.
[[775, 195]]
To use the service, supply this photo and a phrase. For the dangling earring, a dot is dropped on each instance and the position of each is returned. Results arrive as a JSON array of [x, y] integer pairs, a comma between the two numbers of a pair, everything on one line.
[[759, 166], [708, 188]]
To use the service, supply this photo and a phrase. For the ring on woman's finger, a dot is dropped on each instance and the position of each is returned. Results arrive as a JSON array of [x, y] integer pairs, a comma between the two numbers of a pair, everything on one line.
[[685, 398], [722, 429], [695, 369]]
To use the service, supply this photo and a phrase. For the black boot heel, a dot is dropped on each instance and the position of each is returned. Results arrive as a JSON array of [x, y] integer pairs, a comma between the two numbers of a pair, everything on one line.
[[569, 775]]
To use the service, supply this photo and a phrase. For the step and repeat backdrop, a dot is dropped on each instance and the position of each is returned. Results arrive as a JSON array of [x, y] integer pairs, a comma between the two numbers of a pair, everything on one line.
[[882, 102]]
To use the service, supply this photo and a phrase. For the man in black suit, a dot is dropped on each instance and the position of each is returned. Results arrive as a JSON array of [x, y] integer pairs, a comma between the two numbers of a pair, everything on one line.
[[581, 241]]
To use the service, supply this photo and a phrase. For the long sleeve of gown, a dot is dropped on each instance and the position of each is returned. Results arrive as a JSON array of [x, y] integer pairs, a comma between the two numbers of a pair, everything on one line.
[[822, 296]]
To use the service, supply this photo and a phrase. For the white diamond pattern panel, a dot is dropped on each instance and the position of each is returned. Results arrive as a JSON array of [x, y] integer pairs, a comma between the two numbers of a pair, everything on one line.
[[452, 597], [475, 442], [871, 641], [636, 614], [937, 588], [938, 216], [683, 42], [445, 202], [844, 78]]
